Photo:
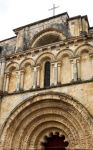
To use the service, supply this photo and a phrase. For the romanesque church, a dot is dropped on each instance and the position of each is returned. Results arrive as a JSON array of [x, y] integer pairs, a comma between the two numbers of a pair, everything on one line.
[[46, 85]]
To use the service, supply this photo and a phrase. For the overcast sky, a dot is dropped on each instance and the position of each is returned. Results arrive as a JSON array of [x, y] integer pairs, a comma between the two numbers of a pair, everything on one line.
[[16, 13]]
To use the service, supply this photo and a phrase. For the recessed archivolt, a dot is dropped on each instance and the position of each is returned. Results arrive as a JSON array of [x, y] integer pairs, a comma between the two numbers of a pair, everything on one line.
[[26, 122], [38, 119], [44, 57], [83, 47], [26, 61], [55, 123], [43, 111], [46, 37], [63, 53], [12, 65]]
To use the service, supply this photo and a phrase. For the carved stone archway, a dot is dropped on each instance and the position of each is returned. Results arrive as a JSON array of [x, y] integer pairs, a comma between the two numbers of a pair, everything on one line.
[[42, 114]]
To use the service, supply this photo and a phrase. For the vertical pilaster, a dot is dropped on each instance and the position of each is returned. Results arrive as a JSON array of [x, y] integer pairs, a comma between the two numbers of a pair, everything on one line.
[[34, 77], [21, 80], [59, 73], [20, 41], [38, 76], [18, 80], [75, 70], [52, 74], [55, 73], [72, 70], [7, 82], [78, 68], [2, 64]]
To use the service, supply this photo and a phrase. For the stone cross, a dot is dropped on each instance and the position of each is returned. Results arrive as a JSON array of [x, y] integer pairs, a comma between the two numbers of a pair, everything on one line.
[[54, 7]]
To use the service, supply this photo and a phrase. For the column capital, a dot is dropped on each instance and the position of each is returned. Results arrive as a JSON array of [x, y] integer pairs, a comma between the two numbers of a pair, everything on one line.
[[53, 63], [71, 61], [91, 56], [7, 74], [59, 64], [38, 67], [17, 71], [78, 60]]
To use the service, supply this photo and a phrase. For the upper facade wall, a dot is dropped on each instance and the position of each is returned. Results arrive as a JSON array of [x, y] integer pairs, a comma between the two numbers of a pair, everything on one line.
[[66, 28]]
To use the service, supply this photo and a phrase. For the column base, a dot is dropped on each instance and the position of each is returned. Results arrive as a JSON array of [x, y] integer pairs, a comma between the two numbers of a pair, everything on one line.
[[59, 83], [1, 93], [38, 87]]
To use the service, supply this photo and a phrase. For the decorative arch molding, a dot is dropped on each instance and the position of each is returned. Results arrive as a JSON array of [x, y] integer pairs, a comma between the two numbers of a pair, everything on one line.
[[83, 47], [44, 56], [42, 113], [26, 61], [47, 36], [12, 65], [65, 52]]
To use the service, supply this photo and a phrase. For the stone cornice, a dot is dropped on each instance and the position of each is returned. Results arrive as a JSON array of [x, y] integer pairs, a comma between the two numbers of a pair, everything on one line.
[[72, 83], [57, 45]]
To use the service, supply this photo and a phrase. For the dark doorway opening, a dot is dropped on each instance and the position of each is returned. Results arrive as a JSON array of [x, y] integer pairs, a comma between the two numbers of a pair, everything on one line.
[[55, 142]]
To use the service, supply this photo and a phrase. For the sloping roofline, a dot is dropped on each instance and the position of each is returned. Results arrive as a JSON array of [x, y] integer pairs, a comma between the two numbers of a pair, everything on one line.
[[40, 21]]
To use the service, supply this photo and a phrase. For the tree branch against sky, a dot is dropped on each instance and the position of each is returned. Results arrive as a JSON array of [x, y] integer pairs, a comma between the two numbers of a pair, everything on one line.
[[15, 13]]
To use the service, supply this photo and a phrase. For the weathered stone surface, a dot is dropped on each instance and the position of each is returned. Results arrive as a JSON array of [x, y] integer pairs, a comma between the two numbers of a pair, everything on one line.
[[31, 111]]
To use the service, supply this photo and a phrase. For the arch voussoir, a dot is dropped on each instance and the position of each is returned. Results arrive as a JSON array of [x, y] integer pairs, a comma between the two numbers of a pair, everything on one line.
[[45, 112]]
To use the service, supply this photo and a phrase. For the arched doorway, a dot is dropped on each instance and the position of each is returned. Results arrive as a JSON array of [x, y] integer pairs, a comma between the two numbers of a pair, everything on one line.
[[43, 113], [55, 142]]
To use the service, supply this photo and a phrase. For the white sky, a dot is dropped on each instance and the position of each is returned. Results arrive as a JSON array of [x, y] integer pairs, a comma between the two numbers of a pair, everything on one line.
[[16, 13]]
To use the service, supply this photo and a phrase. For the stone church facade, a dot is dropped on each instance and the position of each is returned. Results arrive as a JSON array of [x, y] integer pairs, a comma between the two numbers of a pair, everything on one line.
[[46, 85]]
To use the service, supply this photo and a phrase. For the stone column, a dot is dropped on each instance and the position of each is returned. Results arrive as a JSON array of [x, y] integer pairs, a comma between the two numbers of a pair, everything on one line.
[[59, 73], [17, 80], [75, 70], [7, 82], [52, 75], [0, 67], [55, 73], [72, 70], [2, 63], [34, 77], [21, 80], [38, 76], [78, 69]]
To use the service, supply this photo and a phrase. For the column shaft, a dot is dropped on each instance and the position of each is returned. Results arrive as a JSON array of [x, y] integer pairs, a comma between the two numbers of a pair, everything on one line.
[[78, 69], [34, 77], [55, 74], [59, 74], [21, 80], [38, 76], [7, 82], [2, 74], [18, 80]]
